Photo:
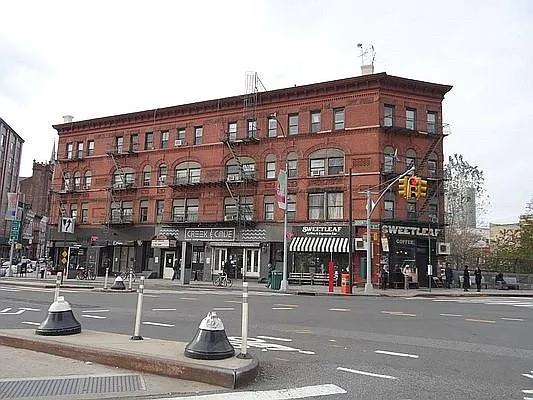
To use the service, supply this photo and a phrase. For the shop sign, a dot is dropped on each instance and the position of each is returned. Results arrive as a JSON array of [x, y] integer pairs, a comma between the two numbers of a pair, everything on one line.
[[11, 213], [209, 234], [163, 243], [410, 231], [405, 242], [321, 230]]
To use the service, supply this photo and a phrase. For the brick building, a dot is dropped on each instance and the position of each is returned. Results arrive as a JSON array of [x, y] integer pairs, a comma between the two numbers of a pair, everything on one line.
[[196, 182]]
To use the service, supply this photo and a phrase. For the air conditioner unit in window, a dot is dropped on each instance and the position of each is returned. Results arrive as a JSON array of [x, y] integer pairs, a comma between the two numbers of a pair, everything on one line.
[[443, 249], [360, 244], [317, 173], [233, 177], [179, 218], [230, 217], [179, 142]]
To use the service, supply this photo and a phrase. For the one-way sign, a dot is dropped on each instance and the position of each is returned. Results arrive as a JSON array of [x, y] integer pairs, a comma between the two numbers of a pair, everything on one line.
[[66, 225]]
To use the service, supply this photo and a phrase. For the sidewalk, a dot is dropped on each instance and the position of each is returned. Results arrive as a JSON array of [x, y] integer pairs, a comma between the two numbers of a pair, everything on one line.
[[309, 290]]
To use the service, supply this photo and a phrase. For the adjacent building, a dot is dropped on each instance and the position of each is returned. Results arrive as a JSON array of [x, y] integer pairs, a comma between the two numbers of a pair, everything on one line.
[[10, 152], [196, 183]]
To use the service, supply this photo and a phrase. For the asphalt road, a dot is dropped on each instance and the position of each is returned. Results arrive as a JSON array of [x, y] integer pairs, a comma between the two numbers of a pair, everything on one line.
[[373, 348]]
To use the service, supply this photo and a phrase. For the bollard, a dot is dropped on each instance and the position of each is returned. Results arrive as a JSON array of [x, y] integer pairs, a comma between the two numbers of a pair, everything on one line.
[[244, 327], [58, 284], [137, 328], [106, 276], [130, 279]]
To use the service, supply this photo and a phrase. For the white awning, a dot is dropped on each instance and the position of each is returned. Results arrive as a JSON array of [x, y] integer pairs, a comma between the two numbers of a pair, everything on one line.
[[319, 244]]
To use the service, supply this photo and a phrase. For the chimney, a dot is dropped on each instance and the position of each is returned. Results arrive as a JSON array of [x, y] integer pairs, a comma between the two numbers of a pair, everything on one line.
[[67, 119], [367, 69]]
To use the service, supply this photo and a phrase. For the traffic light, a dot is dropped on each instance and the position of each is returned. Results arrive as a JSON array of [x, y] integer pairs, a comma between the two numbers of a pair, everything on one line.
[[403, 186], [413, 187], [422, 188]]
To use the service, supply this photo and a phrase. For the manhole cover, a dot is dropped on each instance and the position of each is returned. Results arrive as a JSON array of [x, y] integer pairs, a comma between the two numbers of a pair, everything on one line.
[[70, 385]]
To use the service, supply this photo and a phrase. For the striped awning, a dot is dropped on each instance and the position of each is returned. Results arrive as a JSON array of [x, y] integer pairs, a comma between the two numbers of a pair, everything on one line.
[[319, 244]]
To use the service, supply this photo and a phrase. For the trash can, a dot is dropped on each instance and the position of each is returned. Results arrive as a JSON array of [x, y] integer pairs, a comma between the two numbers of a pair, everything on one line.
[[276, 280], [345, 283]]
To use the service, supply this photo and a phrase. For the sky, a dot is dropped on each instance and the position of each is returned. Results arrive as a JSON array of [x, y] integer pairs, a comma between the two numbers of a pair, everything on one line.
[[98, 58]]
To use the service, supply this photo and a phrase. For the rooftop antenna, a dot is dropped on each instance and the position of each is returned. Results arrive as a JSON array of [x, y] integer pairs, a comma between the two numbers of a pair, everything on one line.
[[368, 55]]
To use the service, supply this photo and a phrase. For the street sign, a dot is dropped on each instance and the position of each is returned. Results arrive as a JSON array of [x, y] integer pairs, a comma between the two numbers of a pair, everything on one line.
[[15, 229], [66, 225]]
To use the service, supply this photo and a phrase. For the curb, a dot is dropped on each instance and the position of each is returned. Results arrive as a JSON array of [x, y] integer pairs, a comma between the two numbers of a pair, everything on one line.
[[45, 285], [225, 377], [115, 291]]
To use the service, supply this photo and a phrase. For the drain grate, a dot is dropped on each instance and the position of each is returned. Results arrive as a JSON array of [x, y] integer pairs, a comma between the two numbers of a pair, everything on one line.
[[70, 385]]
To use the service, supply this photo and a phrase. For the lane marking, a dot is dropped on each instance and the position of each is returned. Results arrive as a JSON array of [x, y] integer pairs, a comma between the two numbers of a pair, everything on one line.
[[232, 301], [95, 311], [399, 313], [512, 319], [281, 394], [306, 352], [274, 338], [163, 309], [30, 309], [286, 305], [282, 308], [30, 323], [188, 298], [391, 353], [223, 309], [355, 371], [6, 310], [527, 391], [93, 316], [451, 315], [487, 321], [340, 309], [158, 324], [528, 375]]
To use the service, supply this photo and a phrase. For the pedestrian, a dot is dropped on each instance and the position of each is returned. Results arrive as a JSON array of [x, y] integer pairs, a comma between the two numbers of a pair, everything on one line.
[[227, 267], [175, 268], [384, 278], [478, 276], [449, 275], [269, 278], [466, 279]]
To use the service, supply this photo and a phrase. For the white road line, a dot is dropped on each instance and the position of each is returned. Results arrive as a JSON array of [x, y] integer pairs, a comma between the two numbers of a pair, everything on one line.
[[391, 353], [355, 371], [158, 324], [188, 298], [282, 394], [150, 295], [30, 309], [451, 315], [232, 301], [282, 308], [528, 375], [528, 398], [163, 309], [339, 309], [527, 391], [223, 309], [93, 316], [94, 311], [306, 352], [512, 319], [274, 338], [399, 313], [30, 323], [487, 321], [286, 305], [6, 310]]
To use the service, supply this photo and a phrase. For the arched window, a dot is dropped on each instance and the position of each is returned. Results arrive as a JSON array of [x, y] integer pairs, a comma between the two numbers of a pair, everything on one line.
[[88, 180], [270, 166], [147, 170], [388, 159], [162, 176], [187, 173], [410, 158], [77, 180], [292, 165], [432, 165], [326, 162], [123, 178], [236, 172]]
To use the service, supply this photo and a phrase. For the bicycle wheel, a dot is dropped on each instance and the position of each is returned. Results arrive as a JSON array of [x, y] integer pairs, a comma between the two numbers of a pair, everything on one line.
[[92, 276], [80, 276], [229, 282], [216, 282]]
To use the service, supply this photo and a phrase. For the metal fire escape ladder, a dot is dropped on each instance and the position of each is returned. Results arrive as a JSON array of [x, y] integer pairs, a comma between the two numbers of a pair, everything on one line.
[[112, 198]]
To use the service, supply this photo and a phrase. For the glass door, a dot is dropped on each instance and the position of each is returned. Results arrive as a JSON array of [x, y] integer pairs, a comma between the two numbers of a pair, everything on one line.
[[251, 261], [220, 257]]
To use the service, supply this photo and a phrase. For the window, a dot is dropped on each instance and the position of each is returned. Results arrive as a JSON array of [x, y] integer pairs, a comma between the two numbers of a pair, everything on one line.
[[432, 212], [80, 150], [338, 119], [159, 210], [269, 208], [410, 158], [143, 211], [90, 147], [123, 178], [187, 173], [411, 211], [88, 180], [388, 115], [162, 176], [66, 181], [116, 212], [146, 175], [388, 159], [410, 118], [164, 139], [293, 124], [272, 127], [230, 209], [326, 206], [77, 180], [74, 211], [232, 131], [127, 211], [191, 210], [247, 208], [432, 122], [198, 132], [326, 162], [315, 121], [388, 209], [292, 165], [270, 167], [432, 165], [185, 210], [69, 150], [148, 141], [134, 142], [246, 170], [119, 144], [291, 207], [84, 213], [180, 137], [252, 128]]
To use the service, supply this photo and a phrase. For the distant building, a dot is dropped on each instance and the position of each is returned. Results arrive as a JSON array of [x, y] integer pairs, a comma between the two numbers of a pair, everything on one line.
[[35, 192], [470, 208], [507, 231], [10, 151]]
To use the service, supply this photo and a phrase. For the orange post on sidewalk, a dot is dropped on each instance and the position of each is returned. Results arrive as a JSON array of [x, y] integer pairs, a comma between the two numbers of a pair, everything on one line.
[[345, 283]]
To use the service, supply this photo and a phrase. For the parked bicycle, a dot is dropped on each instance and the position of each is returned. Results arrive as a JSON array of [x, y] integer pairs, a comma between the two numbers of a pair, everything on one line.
[[85, 274], [125, 275], [222, 280]]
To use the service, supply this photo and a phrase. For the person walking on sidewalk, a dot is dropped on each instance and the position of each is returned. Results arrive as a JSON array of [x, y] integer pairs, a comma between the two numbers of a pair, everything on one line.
[[478, 276], [448, 273], [466, 279]]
